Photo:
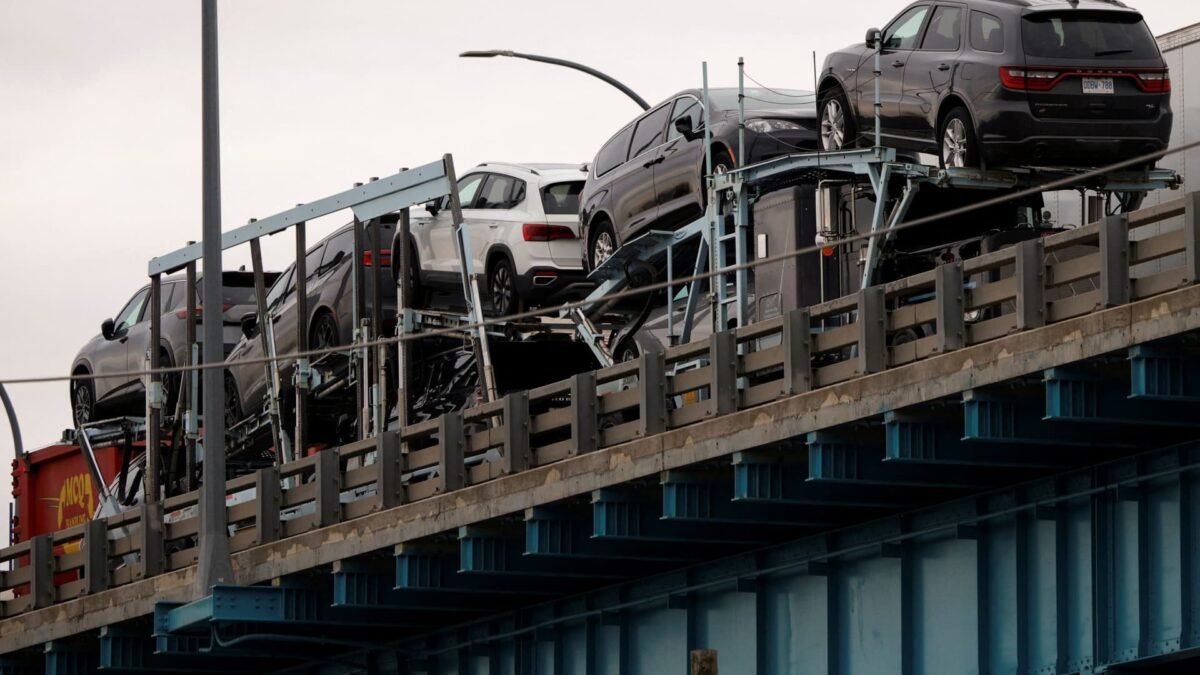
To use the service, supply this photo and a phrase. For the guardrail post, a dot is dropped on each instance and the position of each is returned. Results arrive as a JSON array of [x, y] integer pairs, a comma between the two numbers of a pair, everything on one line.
[[451, 442], [951, 325], [723, 364], [95, 563], [1114, 260], [516, 433], [329, 487], [583, 418], [41, 569], [1031, 284], [872, 331], [152, 560], [389, 491], [652, 384], [1191, 238], [797, 352], [268, 502]]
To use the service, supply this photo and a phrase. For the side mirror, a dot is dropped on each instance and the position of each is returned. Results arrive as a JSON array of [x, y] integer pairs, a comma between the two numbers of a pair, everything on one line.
[[108, 329], [684, 126], [872, 37], [249, 325], [433, 207]]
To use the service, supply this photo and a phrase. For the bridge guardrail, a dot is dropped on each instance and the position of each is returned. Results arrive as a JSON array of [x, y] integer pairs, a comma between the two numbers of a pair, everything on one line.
[[1036, 282]]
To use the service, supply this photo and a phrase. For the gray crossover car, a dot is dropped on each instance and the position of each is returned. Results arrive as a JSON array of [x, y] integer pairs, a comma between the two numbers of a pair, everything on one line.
[[124, 340]]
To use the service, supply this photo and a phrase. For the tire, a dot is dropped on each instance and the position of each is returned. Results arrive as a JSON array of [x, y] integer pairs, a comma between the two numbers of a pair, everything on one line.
[[170, 383], [324, 332], [602, 242], [958, 146], [233, 403], [838, 130], [83, 400], [502, 287], [416, 298]]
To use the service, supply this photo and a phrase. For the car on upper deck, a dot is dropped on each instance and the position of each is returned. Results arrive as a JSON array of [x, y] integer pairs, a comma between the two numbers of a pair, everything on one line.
[[993, 83]]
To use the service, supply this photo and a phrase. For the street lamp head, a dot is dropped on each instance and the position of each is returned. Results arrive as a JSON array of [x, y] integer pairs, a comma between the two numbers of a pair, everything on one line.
[[487, 53]]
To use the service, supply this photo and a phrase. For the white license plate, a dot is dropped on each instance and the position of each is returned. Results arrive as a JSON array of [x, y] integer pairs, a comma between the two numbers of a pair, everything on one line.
[[1098, 85]]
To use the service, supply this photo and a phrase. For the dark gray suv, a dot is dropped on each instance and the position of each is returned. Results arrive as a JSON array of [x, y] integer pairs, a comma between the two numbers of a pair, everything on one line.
[[123, 341], [1004, 83]]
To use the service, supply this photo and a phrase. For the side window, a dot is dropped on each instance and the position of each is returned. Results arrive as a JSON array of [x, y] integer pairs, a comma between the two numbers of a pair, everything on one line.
[[614, 152], [945, 30], [167, 295], [342, 241], [649, 131], [279, 290], [685, 106], [987, 33], [468, 188], [902, 33], [132, 311], [497, 192], [178, 297]]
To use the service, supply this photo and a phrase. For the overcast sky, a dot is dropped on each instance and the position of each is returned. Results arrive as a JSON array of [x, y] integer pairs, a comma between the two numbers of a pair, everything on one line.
[[100, 122]]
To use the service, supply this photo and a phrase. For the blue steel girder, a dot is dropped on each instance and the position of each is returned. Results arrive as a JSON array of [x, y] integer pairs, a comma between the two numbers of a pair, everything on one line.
[[707, 496], [498, 548], [1099, 393], [70, 657], [130, 648], [781, 477], [369, 589], [1168, 370], [933, 435], [429, 571], [566, 532], [635, 514], [1016, 414]]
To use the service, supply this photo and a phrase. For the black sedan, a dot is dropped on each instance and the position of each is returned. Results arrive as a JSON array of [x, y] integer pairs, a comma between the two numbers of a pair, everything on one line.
[[650, 174], [1004, 83]]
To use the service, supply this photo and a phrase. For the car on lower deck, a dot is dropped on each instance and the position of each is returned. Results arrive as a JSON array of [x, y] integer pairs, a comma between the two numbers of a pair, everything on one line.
[[650, 174], [523, 227], [993, 83], [122, 344]]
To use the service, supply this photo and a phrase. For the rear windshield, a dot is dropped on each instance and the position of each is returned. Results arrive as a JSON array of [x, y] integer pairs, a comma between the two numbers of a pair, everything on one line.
[[238, 287], [1083, 35], [562, 199]]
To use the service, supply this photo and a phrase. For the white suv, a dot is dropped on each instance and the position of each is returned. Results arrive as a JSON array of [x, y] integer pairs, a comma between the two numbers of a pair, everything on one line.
[[523, 221]]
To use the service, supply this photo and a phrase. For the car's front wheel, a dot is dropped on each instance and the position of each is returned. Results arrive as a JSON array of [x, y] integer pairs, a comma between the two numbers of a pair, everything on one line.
[[601, 244], [83, 400], [960, 149], [502, 287], [837, 122]]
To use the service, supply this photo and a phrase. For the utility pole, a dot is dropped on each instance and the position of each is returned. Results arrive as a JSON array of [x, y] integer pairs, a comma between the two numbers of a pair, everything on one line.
[[215, 567]]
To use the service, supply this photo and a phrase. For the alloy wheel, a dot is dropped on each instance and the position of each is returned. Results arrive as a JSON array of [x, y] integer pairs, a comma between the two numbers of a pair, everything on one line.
[[82, 403], [603, 249], [954, 144], [500, 287], [324, 333], [833, 125]]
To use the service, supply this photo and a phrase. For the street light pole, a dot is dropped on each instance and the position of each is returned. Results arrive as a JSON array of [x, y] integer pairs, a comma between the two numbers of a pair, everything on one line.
[[560, 62], [215, 567]]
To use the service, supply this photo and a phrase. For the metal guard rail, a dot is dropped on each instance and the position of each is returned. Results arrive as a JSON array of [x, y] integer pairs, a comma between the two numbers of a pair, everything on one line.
[[1021, 287]]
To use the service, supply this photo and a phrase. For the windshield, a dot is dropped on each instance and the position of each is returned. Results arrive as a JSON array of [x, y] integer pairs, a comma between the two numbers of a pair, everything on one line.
[[1096, 35], [762, 99]]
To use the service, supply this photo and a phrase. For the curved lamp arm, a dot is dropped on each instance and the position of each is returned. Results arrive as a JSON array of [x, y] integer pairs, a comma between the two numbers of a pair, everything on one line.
[[560, 62]]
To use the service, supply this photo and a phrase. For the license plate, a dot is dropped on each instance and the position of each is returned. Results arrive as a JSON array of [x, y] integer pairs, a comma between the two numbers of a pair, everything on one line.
[[1098, 85]]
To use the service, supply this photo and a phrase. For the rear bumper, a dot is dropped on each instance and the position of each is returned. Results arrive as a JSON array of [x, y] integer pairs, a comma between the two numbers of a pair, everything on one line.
[[1015, 137], [547, 285]]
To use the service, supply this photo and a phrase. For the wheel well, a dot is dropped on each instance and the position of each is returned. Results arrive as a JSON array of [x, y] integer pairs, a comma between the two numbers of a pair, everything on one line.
[[80, 369], [599, 219], [950, 103], [497, 254], [317, 314], [827, 84], [412, 258]]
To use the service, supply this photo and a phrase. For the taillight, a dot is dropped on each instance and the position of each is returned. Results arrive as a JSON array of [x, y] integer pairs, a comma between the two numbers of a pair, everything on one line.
[[544, 232], [182, 314], [1155, 83], [385, 257], [1027, 79]]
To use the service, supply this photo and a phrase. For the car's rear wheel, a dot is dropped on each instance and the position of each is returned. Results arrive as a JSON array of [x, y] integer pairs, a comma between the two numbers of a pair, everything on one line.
[[83, 400], [601, 244], [837, 122], [959, 149], [324, 332], [502, 287], [233, 402]]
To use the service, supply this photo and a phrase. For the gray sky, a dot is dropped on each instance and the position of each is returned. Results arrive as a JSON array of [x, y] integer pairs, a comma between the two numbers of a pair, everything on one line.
[[100, 122]]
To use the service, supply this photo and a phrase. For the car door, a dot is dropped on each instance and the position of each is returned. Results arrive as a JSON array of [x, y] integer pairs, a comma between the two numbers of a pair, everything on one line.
[[635, 200], [251, 377], [487, 228], [928, 73], [900, 37], [111, 355], [678, 184], [441, 255]]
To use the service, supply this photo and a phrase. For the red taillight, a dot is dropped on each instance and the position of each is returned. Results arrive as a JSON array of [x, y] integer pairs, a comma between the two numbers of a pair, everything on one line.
[[544, 232], [1155, 83], [182, 314], [385, 257], [1028, 79]]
